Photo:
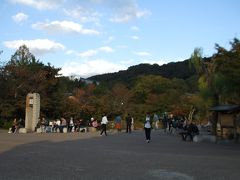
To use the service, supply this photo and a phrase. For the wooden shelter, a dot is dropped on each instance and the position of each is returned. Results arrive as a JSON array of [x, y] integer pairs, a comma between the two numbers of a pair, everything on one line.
[[229, 119]]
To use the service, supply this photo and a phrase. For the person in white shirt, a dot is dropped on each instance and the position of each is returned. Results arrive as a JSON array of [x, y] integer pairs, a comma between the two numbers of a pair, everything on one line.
[[58, 124], [104, 124], [71, 125], [147, 128]]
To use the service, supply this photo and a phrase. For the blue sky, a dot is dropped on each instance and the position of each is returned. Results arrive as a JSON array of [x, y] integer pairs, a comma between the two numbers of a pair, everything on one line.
[[88, 37]]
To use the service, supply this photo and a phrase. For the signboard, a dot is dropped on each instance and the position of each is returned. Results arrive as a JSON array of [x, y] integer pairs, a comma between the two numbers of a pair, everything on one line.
[[30, 101]]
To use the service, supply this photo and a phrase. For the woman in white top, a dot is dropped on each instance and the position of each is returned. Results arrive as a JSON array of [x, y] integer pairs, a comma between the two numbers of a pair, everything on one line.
[[147, 128], [104, 125]]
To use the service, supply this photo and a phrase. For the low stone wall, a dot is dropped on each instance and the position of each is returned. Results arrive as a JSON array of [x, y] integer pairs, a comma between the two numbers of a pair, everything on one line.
[[22, 130], [205, 138], [92, 129]]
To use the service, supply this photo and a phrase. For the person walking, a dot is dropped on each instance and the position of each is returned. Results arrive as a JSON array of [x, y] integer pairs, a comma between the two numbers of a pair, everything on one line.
[[132, 124], [147, 128], [43, 125], [156, 120], [128, 123], [104, 125], [165, 122], [118, 123]]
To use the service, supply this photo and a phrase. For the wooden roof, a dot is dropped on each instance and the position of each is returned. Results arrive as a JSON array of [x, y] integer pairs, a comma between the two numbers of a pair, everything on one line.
[[226, 108]]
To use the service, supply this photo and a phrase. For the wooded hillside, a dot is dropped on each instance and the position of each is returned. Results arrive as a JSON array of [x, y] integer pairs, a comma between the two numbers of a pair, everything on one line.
[[179, 70], [180, 88]]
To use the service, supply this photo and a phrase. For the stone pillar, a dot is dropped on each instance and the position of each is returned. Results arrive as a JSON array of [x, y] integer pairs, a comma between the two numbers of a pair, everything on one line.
[[32, 111]]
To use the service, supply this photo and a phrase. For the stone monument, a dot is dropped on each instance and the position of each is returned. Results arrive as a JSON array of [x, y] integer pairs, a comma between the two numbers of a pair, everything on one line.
[[32, 111]]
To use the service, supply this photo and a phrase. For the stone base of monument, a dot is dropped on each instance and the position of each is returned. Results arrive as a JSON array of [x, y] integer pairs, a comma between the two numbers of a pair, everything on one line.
[[64, 130], [39, 130], [48, 129], [22, 130], [92, 129], [83, 129], [205, 138]]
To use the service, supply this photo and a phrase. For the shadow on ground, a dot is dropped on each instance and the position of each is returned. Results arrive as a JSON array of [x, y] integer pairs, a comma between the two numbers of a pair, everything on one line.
[[119, 156]]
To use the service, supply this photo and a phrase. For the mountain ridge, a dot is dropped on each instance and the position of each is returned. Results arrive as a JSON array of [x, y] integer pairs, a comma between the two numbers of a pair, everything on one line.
[[180, 70]]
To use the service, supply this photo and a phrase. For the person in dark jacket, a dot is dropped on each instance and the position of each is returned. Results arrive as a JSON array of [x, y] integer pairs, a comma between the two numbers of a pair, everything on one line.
[[128, 123], [190, 130]]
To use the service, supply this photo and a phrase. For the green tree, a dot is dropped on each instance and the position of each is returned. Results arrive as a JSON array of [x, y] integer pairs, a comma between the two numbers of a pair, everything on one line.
[[151, 84], [227, 70], [121, 99], [23, 57], [24, 74], [219, 77]]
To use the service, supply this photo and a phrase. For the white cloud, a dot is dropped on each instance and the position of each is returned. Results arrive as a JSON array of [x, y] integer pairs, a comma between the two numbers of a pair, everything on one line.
[[69, 52], [20, 17], [134, 28], [39, 4], [37, 46], [135, 37], [64, 27], [88, 53], [84, 15], [91, 52], [90, 68], [142, 53], [121, 11], [106, 49], [128, 12]]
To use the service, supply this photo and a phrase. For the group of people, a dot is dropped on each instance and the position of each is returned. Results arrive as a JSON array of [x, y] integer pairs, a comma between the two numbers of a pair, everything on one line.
[[129, 121], [130, 124], [71, 125], [59, 125], [118, 123], [189, 129]]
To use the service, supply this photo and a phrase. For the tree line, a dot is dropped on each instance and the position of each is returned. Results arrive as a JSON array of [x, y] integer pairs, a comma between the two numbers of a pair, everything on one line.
[[206, 82]]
